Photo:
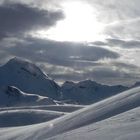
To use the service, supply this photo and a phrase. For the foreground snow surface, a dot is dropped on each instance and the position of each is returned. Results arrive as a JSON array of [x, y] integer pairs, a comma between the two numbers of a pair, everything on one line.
[[116, 118], [125, 126]]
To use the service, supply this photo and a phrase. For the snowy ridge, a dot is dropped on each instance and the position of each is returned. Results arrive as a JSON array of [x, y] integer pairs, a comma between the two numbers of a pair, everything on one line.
[[93, 114], [26, 66], [12, 96]]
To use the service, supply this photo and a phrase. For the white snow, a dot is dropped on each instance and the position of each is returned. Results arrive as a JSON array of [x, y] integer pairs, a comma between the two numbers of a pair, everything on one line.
[[116, 118], [125, 126]]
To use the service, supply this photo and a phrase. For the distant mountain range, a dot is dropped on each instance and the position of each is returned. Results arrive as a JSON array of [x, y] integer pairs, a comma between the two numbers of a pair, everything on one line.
[[88, 92], [20, 75]]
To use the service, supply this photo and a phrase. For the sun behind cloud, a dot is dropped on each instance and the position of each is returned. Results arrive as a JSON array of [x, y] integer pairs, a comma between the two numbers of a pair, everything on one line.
[[80, 24]]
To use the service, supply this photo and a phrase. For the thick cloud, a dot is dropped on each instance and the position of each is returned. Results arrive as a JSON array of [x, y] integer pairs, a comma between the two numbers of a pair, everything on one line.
[[111, 73], [57, 53], [72, 61], [19, 18], [129, 44], [122, 43]]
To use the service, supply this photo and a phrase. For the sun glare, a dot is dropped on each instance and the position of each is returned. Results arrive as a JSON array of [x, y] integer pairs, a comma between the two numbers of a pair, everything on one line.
[[80, 24]]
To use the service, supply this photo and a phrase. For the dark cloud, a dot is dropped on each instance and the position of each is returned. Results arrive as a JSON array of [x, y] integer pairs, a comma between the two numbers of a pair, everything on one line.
[[19, 18], [72, 61], [59, 53], [112, 73], [124, 43], [99, 43]]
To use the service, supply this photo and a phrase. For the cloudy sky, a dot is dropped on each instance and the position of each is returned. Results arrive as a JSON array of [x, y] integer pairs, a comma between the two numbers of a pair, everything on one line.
[[74, 39]]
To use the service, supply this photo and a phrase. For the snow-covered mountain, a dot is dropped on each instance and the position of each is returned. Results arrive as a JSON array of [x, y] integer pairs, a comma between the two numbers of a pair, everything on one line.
[[12, 96], [28, 78], [114, 118], [87, 92]]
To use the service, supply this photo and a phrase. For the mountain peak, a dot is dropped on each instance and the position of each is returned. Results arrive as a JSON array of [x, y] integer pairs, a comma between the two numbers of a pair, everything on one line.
[[28, 77], [16, 60], [20, 64]]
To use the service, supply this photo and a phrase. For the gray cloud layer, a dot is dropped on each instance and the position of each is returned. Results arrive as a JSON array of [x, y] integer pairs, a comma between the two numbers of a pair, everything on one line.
[[122, 43], [19, 18], [73, 61], [58, 53]]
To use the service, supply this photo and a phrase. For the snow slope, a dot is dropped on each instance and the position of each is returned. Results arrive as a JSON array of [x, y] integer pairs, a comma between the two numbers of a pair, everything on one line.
[[88, 92], [28, 77], [93, 114], [60, 108], [125, 126], [26, 117], [12, 96]]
